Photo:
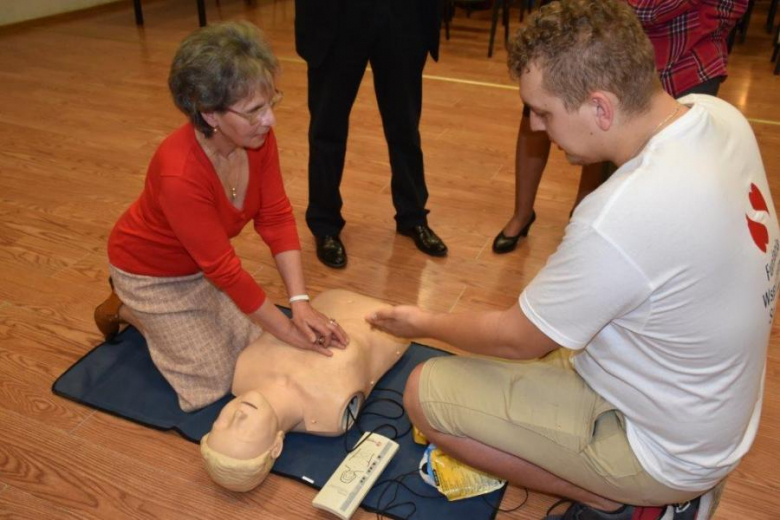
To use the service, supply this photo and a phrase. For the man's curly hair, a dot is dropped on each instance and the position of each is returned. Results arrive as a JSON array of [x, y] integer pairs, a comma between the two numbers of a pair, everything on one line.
[[584, 45]]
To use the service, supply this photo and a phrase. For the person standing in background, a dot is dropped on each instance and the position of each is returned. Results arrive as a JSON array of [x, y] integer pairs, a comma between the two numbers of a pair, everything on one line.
[[338, 39], [690, 41]]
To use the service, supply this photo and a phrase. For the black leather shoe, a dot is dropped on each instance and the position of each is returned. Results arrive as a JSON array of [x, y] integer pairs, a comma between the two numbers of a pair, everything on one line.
[[331, 252], [504, 244], [425, 239]]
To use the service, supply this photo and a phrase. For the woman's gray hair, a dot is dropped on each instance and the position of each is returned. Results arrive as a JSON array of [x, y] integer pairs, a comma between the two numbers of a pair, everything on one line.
[[218, 65]]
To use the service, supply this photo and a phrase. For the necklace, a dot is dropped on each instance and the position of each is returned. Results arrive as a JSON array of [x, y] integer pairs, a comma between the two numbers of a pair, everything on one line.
[[230, 184], [658, 128], [220, 163]]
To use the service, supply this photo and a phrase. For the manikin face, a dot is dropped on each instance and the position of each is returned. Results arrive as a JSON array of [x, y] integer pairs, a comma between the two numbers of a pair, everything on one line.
[[573, 132], [246, 427], [247, 122]]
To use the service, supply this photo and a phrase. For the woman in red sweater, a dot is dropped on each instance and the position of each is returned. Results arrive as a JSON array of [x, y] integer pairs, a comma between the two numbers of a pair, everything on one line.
[[174, 273]]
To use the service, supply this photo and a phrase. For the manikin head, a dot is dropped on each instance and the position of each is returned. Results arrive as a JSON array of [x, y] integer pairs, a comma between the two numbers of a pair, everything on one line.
[[243, 444], [585, 68]]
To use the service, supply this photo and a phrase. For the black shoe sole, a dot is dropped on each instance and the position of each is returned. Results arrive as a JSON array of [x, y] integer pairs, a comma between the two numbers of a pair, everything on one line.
[[331, 264]]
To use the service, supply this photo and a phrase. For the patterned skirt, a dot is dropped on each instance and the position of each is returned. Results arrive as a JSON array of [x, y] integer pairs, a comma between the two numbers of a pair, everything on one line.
[[194, 332]]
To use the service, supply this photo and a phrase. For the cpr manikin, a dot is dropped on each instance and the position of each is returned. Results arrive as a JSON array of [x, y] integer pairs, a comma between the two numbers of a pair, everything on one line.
[[280, 389]]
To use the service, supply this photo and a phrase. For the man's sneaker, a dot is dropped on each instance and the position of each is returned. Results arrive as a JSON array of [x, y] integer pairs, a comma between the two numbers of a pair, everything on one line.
[[578, 511], [700, 508]]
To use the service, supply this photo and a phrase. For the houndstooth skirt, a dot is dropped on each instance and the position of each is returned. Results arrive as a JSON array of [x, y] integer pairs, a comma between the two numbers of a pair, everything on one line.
[[194, 332]]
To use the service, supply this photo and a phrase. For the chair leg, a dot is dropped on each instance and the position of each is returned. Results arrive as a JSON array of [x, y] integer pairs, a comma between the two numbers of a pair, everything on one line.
[[139, 14], [776, 51], [731, 39], [506, 21], [744, 23], [525, 5], [448, 13], [496, 6], [202, 13], [770, 19]]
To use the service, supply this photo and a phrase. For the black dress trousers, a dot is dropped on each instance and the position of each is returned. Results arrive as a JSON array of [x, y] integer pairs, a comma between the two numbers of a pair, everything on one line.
[[394, 36]]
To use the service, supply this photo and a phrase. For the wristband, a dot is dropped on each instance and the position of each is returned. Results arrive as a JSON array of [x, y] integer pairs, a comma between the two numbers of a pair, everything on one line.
[[299, 298]]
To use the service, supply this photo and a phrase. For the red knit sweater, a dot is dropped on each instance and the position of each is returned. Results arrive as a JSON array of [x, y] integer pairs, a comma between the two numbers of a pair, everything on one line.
[[182, 222]]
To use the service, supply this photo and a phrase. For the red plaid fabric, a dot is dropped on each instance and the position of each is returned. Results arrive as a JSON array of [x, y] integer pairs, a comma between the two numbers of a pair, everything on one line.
[[689, 37]]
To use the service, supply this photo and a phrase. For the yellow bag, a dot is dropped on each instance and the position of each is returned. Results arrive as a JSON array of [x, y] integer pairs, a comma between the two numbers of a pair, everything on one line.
[[454, 479]]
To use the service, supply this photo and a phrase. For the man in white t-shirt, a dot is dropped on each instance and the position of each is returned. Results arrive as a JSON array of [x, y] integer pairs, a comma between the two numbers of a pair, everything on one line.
[[663, 287]]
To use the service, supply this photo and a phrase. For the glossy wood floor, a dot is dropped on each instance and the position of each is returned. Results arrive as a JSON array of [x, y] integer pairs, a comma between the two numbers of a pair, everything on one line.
[[85, 103]]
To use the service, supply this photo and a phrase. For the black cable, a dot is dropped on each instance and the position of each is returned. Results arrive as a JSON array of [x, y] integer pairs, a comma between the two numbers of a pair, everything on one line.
[[365, 412], [556, 504], [497, 507], [399, 483], [391, 390], [401, 411]]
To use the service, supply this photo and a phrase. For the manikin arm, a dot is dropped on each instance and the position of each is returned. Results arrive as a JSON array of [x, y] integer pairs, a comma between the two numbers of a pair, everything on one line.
[[506, 334]]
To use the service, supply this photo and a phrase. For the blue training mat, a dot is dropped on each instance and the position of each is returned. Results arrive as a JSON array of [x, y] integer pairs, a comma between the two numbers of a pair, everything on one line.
[[119, 378]]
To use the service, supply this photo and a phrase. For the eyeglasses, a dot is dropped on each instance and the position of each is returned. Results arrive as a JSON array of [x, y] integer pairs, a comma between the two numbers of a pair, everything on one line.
[[254, 116]]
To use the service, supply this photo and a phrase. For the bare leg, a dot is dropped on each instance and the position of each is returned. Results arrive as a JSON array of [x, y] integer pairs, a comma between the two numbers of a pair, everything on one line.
[[503, 465], [531, 154], [592, 176]]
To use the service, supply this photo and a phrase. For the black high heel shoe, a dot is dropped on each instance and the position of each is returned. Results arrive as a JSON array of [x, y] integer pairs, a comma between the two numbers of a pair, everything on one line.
[[504, 244]]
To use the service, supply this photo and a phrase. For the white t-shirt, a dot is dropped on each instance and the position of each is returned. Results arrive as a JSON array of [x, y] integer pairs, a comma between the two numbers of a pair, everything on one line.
[[665, 282]]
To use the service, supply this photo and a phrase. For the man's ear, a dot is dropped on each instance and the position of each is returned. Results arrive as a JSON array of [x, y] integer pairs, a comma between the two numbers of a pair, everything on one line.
[[603, 106], [278, 445]]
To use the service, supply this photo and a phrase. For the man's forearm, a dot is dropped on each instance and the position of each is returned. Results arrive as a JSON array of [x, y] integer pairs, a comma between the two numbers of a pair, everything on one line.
[[506, 334]]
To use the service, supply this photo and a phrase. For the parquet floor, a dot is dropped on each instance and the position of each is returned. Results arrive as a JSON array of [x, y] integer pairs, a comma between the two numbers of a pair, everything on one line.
[[85, 103]]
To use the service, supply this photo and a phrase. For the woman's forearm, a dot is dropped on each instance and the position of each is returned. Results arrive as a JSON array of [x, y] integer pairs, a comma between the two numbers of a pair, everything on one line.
[[273, 321], [291, 269]]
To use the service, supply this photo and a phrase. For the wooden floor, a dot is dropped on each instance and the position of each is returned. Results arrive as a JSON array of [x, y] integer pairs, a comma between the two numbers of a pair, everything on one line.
[[84, 104]]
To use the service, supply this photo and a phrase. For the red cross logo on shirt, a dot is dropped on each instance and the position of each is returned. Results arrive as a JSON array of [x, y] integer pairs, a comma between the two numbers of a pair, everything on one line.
[[758, 230]]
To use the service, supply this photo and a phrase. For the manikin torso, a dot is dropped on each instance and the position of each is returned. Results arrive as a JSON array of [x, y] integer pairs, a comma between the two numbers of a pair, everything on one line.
[[319, 394]]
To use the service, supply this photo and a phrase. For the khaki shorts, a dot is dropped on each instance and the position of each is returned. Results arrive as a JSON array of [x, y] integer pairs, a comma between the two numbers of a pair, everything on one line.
[[542, 412]]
